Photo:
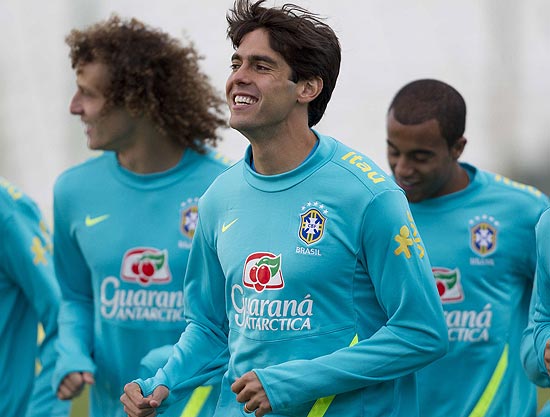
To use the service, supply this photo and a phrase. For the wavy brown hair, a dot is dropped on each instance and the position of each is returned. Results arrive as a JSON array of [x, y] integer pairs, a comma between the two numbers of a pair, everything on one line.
[[153, 75], [309, 46]]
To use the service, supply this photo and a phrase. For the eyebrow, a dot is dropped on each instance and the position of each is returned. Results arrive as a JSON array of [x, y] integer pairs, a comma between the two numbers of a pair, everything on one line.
[[255, 58], [411, 152]]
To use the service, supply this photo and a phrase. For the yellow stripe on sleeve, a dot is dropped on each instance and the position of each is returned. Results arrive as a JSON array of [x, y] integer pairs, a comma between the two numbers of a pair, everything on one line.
[[322, 404], [491, 389], [196, 401]]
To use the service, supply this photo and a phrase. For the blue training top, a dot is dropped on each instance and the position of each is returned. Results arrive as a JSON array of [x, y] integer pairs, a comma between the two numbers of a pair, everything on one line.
[[317, 280], [30, 295], [122, 241], [481, 242]]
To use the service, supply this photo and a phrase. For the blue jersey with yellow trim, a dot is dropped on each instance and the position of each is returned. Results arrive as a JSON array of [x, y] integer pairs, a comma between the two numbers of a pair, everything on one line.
[[30, 295], [481, 243], [317, 280], [122, 242]]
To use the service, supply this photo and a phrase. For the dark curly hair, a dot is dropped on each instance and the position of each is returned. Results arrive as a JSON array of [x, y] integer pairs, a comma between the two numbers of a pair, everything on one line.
[[426, 99], [153, 75], [308, 45]]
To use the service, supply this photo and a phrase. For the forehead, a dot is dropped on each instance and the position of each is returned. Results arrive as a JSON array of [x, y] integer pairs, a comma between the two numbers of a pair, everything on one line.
[[256, 44], [92, 75], [425, 135]]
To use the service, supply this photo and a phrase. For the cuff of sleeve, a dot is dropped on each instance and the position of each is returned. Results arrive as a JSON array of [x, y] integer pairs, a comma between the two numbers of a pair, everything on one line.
[[61, 371]]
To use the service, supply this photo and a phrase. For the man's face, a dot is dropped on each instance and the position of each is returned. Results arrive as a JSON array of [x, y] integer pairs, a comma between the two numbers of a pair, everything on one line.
[[107, 128], [420, 159], [259, 92]]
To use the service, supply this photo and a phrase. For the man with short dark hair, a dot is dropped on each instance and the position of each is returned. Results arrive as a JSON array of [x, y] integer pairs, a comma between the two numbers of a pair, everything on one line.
[[478, 228], [306, 265]]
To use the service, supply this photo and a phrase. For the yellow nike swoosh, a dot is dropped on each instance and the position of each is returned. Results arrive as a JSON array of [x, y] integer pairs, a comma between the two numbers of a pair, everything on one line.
[[227, 226], [92, 221]]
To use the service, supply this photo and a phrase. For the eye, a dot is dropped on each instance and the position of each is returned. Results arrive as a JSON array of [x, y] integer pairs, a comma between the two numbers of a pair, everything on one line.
[[392, 152], [234, 66], [421, 157]]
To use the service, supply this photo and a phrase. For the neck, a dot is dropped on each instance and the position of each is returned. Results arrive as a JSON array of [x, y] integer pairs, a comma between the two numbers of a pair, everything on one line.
[[281, 147], [150, 152], [460, 180], [277, 156]]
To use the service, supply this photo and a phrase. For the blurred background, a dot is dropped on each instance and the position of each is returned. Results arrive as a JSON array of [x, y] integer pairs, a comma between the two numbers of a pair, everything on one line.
[[496, 53]]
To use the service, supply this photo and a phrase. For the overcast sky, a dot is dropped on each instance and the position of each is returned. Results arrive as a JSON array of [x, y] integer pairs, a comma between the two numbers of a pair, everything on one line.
[[495, 52]]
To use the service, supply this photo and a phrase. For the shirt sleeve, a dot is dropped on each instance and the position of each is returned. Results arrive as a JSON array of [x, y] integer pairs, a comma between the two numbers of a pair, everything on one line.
[[28, 260], [76, 311], [207, 327], [542, 283], [527, 349], [414, 334]]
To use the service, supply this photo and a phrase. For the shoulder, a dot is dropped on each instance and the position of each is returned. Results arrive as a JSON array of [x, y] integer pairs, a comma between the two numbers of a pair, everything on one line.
[[13, 200], [543, 225], [359, 170], [231, 175], [213, 159], [74, 176], [513, 192]]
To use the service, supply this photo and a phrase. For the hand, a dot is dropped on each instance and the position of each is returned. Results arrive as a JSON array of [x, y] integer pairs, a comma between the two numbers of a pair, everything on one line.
[[135, 405], [547, 357], [73, 384], [250, 391]]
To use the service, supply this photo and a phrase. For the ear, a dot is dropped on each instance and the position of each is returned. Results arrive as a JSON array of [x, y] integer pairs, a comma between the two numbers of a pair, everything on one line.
[[308, 90], [458, 148]]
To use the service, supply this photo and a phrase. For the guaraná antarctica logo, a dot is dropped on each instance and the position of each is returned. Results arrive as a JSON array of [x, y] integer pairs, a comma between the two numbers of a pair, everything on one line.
[[146, 266], [262, 271], [448, 284]]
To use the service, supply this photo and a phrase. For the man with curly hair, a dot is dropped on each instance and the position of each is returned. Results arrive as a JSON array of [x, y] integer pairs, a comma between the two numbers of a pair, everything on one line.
[[124, 221], [306, 264]]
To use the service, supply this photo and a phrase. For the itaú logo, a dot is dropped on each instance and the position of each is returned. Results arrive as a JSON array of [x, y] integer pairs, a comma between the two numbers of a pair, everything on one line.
[[262, 271]]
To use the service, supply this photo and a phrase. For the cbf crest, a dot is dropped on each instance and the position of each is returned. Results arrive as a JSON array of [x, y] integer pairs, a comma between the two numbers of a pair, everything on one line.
[[189, 216], [312, 222], [483, 235]]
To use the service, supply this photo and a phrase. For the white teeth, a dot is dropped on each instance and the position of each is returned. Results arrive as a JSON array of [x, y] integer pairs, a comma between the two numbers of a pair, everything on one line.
[[245, 100]]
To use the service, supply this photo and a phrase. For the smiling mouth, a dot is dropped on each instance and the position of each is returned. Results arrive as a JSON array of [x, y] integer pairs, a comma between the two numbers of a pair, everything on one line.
[[244, 100], [406, 185]]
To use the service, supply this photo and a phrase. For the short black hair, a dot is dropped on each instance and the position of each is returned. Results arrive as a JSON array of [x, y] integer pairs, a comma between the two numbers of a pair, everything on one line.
[[426, 99]]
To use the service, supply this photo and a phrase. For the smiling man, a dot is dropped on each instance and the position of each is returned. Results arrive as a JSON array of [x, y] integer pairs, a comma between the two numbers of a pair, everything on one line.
[[320, 288], [479, 231], [124, 221]]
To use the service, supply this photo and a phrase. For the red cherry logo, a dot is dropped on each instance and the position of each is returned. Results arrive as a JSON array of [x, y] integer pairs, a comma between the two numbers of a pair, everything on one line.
[[440, 288], [253, 274], [147, 269], [259, 287], [135, 268], [264, 274]]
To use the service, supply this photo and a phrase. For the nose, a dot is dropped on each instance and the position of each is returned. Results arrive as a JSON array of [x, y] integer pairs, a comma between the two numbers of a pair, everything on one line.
[[402, 167], [75, 106], [240, 75]]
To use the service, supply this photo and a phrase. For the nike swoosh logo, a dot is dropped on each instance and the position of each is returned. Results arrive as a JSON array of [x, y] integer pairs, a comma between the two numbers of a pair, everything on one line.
[[92, 221], [227, 226]]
